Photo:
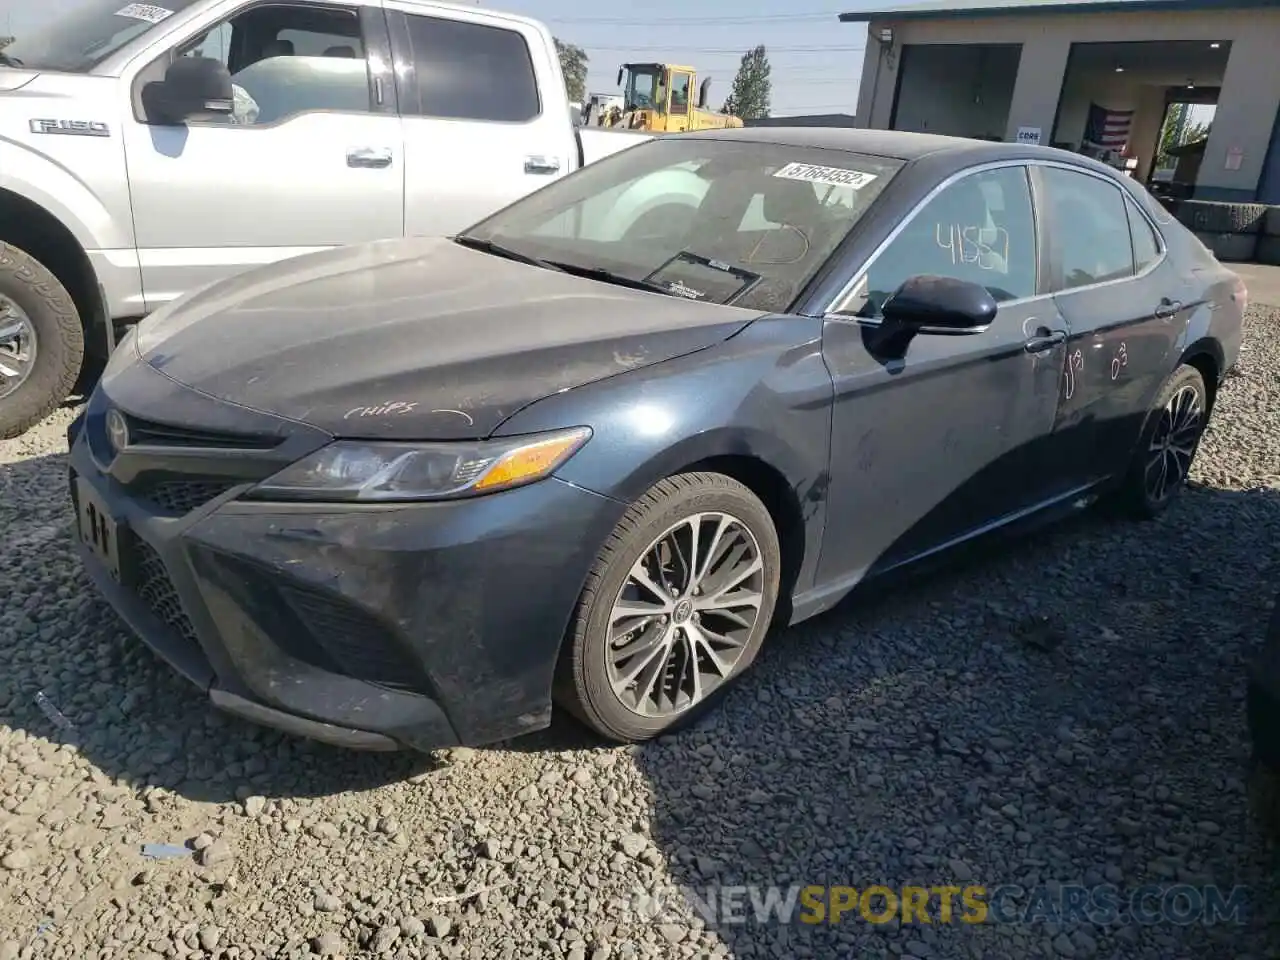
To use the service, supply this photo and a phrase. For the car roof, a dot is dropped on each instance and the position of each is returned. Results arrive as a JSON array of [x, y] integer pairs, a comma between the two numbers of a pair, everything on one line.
[[899, 145]]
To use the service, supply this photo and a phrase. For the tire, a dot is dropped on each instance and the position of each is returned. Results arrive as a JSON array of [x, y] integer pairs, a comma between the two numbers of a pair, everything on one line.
[[1271, 222], [1269, 250], [1135, 493], [1207, 216], [51, 315], [1230, 247], [583, 683]]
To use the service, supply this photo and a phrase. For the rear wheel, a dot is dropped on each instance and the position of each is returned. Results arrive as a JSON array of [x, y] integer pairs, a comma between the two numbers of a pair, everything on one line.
[[676, 606], [1168, 445], [41, 342]]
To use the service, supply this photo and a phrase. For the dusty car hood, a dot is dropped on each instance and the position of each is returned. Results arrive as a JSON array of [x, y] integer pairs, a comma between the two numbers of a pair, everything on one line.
[[415, 339]]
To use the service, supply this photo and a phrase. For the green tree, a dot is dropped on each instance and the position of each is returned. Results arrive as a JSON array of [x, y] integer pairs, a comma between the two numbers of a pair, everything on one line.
[[573, 63], [5, 41], [1177, 131], [752, 88]]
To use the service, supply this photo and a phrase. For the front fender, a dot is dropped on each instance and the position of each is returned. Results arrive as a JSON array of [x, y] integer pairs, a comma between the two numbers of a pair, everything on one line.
[[82, 181], [764, 394]]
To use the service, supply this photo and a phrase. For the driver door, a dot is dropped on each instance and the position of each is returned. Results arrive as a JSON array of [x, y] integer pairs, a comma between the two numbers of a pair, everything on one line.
[[313, 157], [678, 109], [932, 439]]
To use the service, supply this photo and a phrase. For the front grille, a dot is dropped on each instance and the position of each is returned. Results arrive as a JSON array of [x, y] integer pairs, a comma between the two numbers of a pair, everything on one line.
[[159, 594], [178, 497], [154, 434]]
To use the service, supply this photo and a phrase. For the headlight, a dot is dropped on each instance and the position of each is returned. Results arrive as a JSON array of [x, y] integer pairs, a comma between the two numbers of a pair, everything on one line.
[[355, 470]]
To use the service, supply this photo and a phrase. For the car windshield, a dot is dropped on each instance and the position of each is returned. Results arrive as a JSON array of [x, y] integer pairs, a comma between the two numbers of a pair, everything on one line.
[[717, 220], [76, 40]]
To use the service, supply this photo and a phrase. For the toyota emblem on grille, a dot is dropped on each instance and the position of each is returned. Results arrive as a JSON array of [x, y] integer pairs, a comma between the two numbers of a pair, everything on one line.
[[117, 430]]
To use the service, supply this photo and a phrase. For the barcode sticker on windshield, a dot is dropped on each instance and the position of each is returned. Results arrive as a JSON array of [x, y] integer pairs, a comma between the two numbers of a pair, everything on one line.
[[831, 176], [145, 11]]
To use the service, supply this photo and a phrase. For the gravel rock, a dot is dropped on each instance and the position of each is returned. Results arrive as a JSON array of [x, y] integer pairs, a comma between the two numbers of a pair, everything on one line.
[[1064, 709]]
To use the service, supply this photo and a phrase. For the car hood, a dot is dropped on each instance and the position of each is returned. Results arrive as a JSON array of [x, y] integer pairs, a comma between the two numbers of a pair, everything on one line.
[[415, 339]]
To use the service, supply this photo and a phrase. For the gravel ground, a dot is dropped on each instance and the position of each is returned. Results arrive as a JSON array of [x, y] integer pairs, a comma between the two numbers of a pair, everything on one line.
[[1068, 710]]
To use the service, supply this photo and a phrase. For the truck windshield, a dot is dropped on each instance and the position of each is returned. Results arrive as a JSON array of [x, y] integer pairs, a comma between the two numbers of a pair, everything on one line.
[[646, 88], [76, 40], [721, 221]]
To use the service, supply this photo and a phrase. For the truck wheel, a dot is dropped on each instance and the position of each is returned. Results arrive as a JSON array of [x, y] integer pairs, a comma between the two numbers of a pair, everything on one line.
[[41, 342]]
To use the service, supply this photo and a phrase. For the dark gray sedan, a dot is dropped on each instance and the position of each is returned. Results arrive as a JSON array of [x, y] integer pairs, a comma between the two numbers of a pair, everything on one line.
[[413, 493]]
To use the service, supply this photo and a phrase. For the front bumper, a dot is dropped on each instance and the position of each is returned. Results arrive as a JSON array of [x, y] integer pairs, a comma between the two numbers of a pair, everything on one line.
[[374, 627]]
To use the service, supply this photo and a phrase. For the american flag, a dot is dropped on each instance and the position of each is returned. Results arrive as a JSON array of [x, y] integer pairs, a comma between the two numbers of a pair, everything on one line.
[[1108, 129]]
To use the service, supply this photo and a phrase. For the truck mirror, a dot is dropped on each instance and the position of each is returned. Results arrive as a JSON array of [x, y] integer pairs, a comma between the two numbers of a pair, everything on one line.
[[704, 92], [192, 86], [620, 69]]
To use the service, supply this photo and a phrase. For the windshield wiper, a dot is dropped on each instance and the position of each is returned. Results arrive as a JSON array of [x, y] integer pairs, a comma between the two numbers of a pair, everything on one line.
[[609, 276], [498, 250]]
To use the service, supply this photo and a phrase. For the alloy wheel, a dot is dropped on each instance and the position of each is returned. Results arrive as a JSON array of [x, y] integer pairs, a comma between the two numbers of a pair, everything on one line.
[[1173, 444], [684, 616], [17, 347]]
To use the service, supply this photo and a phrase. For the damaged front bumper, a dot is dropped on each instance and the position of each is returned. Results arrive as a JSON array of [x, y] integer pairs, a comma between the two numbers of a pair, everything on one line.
[[419, 625]]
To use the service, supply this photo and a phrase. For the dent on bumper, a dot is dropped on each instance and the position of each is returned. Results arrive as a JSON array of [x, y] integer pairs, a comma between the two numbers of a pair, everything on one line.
[[423, 625]]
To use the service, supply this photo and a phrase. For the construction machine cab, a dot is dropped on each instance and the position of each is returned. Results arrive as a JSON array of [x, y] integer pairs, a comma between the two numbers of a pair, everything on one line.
[[661, 87]]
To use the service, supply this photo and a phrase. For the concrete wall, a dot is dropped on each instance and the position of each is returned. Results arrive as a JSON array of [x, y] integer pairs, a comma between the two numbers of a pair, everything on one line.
[[959, 91], [1250, 95]]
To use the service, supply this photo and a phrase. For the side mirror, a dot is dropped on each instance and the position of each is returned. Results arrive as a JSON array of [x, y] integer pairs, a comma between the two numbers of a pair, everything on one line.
[[704, 92], [940, 305], [620, 69], [192, 86]]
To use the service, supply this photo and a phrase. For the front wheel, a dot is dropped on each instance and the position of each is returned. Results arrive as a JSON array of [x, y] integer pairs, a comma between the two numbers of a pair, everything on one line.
[[677, 605], [41, 342], [1168, 445]]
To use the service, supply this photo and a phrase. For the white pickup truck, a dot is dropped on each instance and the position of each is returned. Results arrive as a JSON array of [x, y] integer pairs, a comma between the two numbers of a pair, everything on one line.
[[149, 149]]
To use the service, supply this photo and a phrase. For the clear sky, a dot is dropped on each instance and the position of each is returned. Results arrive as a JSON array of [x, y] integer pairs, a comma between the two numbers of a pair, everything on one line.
[[816, 60]]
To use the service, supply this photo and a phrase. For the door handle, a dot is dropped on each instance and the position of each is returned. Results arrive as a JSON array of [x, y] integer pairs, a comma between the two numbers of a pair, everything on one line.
[[1167, 308], [541, 165], [369, 157], [1045, 341]]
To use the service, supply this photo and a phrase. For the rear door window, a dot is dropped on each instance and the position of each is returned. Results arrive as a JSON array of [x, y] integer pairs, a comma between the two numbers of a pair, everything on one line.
[[1090, 242], [473, 71]]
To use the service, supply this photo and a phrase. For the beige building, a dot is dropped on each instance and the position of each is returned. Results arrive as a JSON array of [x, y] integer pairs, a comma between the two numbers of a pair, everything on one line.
[[1089, 75]]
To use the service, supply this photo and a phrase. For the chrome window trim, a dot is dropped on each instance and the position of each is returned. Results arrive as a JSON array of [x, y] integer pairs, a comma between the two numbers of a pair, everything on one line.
[[846, 291]]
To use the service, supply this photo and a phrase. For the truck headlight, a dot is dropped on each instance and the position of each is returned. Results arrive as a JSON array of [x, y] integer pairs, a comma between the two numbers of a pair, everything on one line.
[[352, 470]]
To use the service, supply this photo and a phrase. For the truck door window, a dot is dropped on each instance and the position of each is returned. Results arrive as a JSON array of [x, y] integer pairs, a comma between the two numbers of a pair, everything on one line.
[[472, 71], [680, 92], [288, 60]]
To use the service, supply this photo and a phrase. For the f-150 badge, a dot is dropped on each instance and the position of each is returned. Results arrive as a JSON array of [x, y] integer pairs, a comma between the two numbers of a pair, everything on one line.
[[74, 128]]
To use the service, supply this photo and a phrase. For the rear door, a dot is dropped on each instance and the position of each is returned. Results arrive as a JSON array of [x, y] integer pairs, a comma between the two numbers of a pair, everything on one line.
[[484, 115], [1122, 301]]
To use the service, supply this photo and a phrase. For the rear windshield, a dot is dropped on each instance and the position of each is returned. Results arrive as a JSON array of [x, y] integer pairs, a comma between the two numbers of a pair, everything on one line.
[[715, 220]]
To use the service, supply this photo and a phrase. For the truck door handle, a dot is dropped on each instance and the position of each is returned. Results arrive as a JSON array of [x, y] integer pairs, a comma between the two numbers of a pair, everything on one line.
[[369, 157], [1045, 340], [541, 165], [1167, 308]]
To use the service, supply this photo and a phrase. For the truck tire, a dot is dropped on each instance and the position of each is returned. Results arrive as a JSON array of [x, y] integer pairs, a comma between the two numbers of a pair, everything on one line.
[[1230, 247], [38, 322], [1206, 216], [1269, 251], [1271, 222]]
